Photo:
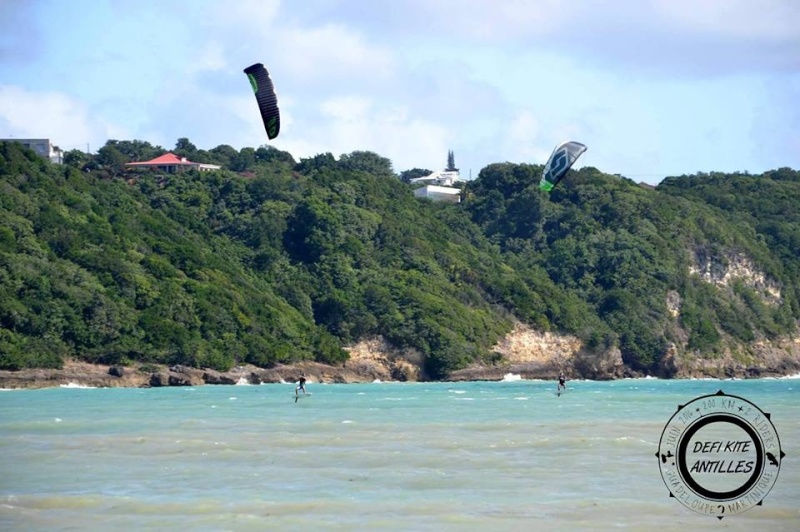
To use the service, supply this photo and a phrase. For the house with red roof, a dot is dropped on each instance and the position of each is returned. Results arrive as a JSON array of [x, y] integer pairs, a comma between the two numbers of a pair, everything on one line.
[[171, 163]]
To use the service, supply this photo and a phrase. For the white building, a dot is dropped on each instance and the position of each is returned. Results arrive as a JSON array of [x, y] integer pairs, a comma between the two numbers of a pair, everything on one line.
[[43, 147], [439, 185], [437, 193], [444, 178]]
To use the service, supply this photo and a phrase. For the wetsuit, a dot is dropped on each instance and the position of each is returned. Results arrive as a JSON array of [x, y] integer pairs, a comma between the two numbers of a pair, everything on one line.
[[300, 386]]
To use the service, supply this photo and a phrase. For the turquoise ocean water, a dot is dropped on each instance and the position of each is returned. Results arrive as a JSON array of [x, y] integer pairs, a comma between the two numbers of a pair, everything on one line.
[[382, 456]]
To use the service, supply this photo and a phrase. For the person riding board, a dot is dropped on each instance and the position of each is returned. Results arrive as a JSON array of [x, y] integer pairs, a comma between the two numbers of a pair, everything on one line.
[[562, 382], [301, 385]]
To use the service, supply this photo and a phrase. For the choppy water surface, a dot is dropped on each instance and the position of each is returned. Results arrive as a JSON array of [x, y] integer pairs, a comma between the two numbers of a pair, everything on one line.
[[381, 456]]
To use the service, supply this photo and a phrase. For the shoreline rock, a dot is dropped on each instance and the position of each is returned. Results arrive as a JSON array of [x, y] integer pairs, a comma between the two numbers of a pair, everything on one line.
[[82, 374], [525, 353]]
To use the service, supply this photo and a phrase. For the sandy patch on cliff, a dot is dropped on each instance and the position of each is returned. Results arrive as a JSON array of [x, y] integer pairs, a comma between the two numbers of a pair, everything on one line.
[[376, 357], [525, 345]]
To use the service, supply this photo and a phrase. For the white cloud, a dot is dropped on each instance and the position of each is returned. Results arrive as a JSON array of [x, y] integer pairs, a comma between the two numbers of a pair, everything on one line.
[[347, 109], [765, 20], [353, 123], [412, 79], [499, 20], [246, 15], [211, 57], [47, 114], [522, 138], [696, 38], [331, 53]]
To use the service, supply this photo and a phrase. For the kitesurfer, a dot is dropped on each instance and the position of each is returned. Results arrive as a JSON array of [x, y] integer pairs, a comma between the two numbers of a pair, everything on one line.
[[301, 385], [562, 382]]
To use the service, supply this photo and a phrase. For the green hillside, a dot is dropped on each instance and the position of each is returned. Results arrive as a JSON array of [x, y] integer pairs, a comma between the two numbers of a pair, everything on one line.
[[271, 260]]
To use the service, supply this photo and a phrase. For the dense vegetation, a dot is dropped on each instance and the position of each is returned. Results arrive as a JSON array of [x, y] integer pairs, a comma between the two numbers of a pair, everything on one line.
[[271, 260]]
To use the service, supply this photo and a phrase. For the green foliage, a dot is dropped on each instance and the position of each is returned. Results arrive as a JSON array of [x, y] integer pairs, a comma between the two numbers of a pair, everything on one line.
[[407, 175], [367, 162], [615, 249], [271, 261]]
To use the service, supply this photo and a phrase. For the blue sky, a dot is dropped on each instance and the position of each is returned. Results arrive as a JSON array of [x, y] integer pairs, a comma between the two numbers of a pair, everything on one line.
[[652, 87]]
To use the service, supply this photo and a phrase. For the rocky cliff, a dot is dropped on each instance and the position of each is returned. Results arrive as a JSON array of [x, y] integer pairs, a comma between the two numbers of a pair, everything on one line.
[[525, 352]]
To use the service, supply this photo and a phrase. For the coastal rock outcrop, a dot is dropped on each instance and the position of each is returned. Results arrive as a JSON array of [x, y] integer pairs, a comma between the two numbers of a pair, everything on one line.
[[525, 352], [763, 358], [376, 359]]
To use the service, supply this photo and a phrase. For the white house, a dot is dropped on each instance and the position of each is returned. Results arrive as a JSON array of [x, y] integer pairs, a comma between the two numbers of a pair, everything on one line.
[[43, 147], [439, 186], [437, 193], [445, 178]]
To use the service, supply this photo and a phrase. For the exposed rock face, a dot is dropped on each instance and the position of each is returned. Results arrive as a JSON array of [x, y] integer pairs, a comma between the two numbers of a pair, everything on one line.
[[377, 359], [159, 379], [526, 346], [525, 352], [405, 371], [528, 353], [215, 377], [185, 376], [603, 365], [73, 372], [723, 271], [535, 355], [668, 367], [532, 354], [762, 359]]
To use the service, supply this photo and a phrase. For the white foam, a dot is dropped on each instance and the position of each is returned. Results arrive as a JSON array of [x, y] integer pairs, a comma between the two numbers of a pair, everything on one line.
[[76, 385], [512, 377], [242, 382], [795, 376]]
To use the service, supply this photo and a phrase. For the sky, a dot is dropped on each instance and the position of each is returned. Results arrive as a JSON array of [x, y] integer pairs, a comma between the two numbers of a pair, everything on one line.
[[653, 87]]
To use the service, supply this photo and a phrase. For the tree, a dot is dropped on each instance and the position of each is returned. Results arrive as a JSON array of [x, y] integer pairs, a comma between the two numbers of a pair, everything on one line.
[[76, 158], [184, 148], [270, 154], [215, 268], [244, 160], [136, 150], [407, 175], [368, 162], [111, 159], [223, 155], [316, 163], [451, 162]]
